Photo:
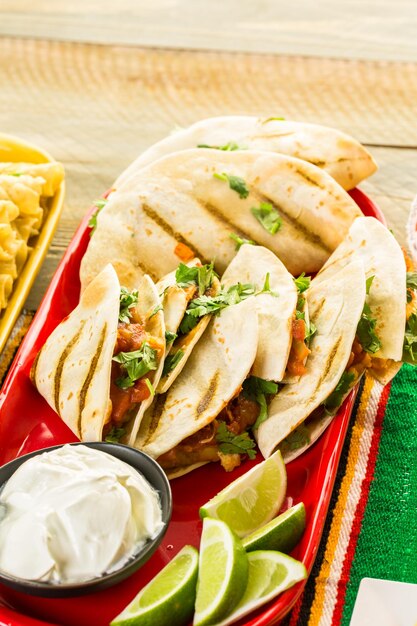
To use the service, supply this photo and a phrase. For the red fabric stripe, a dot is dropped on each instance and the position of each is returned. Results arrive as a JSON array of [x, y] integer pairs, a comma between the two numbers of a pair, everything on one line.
[[363, 500], [296, 611]]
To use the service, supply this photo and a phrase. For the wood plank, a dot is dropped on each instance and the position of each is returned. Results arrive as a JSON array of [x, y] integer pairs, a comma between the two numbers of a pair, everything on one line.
[[348, 28], [95, 108]]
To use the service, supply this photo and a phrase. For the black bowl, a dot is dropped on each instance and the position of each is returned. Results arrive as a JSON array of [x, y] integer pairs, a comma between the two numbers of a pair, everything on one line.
[[153, 473]]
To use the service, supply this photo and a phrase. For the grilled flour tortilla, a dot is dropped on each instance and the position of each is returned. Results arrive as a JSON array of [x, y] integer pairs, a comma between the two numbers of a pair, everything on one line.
[[276, 308], [197, 199], [74, 371], [344, 158], [335, 307], [177, 290], [383, 259], [212, 376]]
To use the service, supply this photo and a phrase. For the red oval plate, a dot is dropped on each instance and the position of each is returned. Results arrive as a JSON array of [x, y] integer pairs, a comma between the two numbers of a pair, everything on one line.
[[27, 423]]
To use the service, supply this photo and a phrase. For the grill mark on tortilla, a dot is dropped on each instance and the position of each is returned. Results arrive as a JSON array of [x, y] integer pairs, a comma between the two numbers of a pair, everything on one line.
[[206, 399], [317, 311], [157, 409], [153, 215], [90, 375], [312, 237], [210, 208], [61, 362], [146, 270], [329, 362]]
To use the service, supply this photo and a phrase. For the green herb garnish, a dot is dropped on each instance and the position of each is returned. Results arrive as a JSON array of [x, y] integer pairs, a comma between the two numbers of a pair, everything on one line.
[[231, 146], [115, 435], [128, 299], [298, 438], [149, 386], [197, 275], [336, 397], [411, 280], [172, 361], [302, 282], [136, 364], [235, 182], [268, 217], [170, 337], [369, 282], [257, 389], [156, 310], [410, 340], [240, 241], [270, 119], [229, 443], [100, 204], [367, 336]]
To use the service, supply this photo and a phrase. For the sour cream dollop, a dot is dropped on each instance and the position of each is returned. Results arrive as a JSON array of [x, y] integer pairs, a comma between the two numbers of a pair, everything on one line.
[[73, 514]]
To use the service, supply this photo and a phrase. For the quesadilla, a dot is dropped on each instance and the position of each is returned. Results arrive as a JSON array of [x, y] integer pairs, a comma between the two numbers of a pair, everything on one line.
[[390, 305], [186, 425], [179, 292], [344, 158], [199, 200], [334, 366], [99, 367]]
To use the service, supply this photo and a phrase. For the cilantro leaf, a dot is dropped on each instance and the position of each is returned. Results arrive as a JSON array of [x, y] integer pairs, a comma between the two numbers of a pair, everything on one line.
[[267, 288], [411, 280], [156, 310], [92, 222], [410, 340], [136, 364], [268, 217], [298, 438], [310, 332], [235, 182], [270, 119], [128, 299], [170, 337], [150, 387], [336, 397], [115, 435], [302, 282], [231, 146], [367, 336], [198, 275], [229, 443], [172, 361], [257, 389], [241, 240], [369, 282]]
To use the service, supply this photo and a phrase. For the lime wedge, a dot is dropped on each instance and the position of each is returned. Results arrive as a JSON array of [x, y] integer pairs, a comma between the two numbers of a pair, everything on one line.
[[168, 598], [251, 500], [282, 533], [222, 574], [270, 573]]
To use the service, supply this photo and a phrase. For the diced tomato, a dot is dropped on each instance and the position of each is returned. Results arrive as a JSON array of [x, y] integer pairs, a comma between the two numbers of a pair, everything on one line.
[[140, 391], [298, 354], [298, 329], [183, 252], [130, 337]]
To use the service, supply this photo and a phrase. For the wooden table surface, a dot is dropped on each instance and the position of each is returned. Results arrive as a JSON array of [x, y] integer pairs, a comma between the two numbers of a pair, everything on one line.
[[95, 82]]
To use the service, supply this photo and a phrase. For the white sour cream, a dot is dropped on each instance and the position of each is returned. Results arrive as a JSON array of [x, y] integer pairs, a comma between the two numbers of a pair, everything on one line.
[[73, 514]]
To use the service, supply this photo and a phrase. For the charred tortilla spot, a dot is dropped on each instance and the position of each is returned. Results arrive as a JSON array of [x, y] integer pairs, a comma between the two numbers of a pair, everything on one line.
[[208, 395], [153, 215], [308, 179], [61, 362], [90, 374], [328, 364], [157, 408], [210, 208], [316, 312]]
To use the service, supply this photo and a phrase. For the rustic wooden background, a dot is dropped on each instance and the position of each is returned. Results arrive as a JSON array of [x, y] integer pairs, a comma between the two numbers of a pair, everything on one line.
[[82, 80]]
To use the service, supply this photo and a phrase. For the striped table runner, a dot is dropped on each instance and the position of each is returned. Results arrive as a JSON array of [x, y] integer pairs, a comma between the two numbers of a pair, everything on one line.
[[371, 528]]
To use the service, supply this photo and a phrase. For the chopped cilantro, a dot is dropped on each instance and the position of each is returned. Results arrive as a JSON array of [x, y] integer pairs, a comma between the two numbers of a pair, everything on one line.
[[336, 397], [270, 119], [115, 435], [149, 386], [198, 275], [267, 288], [231, 146], [128, 299], [268, 217], [170, 337], [101, 203], [156, 310], [411, 280], [16, 174], [298, 438], [235, 182], [302, 282], [367, 336], [136, 364], [257, 389], [310, 332], [229, 443], [241, 240], [172, 361], [410, 340], [369, 282]]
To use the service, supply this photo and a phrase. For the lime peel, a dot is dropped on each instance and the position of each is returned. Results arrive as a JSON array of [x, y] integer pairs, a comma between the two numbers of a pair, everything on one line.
[[168, 598], [282, 533]]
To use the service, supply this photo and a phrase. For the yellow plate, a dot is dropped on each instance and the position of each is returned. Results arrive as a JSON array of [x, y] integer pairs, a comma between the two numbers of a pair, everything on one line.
[[16, 150]]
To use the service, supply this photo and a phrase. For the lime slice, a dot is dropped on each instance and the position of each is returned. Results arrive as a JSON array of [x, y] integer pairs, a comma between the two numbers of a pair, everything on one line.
[[282, 533], [270, 573], [252, 499], [222, 574], [168, 598]]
